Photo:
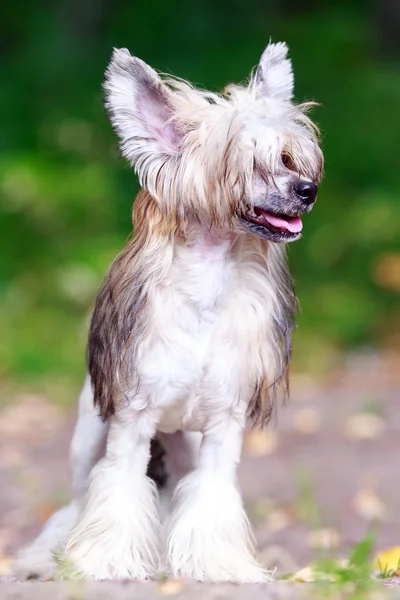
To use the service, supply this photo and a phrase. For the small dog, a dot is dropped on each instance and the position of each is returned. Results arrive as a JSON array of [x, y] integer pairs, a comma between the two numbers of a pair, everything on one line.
[[191, 332]]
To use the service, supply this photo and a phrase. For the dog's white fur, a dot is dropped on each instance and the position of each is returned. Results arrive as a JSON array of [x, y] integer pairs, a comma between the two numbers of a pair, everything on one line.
[[38, 560], [213, 297]]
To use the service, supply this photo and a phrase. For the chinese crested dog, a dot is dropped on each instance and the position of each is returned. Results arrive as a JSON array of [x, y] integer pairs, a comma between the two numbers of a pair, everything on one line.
[[191, 332]]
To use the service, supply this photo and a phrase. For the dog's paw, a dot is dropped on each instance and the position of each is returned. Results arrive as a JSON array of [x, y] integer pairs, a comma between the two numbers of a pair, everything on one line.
[[33, 564], [221, 569], [36, 561], [209, 535], [96, 560]]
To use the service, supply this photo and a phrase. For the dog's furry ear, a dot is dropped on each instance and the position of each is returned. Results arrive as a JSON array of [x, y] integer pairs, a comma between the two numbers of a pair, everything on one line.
[[140, 107], [274, 74]]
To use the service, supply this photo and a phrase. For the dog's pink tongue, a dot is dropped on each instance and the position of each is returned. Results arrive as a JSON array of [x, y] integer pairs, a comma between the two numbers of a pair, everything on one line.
[[292, 224]]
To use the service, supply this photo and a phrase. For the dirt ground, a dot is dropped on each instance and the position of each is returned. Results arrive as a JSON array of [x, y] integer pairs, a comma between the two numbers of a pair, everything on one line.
[[313, 482]]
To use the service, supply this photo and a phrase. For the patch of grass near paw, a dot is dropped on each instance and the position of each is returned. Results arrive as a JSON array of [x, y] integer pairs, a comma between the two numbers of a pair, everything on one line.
[[66, 570], [350, 579], [387, 563]]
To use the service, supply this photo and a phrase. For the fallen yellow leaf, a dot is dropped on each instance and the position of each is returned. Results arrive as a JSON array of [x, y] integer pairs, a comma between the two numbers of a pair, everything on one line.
[[5, 565], [307, 575], [364, 426], [369, 505], [171, 587], [388, 560], [307, 421], [278, 519], [310, 575], [260, 443], [32, 419], [327, 538], [44, 511]]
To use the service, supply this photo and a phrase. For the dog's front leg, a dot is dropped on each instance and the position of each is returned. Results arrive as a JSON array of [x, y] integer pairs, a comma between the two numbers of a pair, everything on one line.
[[210, 537], [116, 536]]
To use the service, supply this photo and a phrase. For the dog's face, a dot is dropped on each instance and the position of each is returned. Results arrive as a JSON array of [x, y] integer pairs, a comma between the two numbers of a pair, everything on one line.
[[247, 161], [278, 205]]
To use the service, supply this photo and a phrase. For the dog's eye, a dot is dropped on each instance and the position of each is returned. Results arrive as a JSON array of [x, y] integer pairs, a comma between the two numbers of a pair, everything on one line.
[[287, 161]]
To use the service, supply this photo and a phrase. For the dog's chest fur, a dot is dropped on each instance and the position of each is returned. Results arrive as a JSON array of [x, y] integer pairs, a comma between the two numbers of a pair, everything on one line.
[[209, 333]]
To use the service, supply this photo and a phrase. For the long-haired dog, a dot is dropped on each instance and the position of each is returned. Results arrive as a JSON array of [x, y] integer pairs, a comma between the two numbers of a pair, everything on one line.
[[191, 332]]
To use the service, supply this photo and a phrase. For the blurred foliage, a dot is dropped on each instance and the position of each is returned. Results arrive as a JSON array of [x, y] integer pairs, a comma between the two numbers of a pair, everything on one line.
[[66, 195]]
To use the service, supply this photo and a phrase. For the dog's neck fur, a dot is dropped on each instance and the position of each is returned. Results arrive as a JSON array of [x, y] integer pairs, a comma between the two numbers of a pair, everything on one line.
[[202, 265], [209, 271]]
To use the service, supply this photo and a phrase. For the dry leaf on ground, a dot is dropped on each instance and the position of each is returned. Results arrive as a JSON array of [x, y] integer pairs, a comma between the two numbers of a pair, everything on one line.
[[327, 538], [278, 520], [171, 587], [44, 511], [5, 565], [310, 575], [364, 426], [388, 560], [307, 421], [369, 505], [32, 419], [260, 443]]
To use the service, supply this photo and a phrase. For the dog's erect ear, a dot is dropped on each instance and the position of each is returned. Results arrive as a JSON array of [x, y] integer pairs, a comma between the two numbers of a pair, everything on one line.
[[274, 75], [140, 107]]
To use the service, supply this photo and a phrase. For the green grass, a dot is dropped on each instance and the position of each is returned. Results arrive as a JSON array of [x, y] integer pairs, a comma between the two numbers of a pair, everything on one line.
[[352, 578]]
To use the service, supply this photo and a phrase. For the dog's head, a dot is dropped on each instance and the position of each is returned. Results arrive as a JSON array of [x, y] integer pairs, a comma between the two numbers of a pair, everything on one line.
[[247, 160]]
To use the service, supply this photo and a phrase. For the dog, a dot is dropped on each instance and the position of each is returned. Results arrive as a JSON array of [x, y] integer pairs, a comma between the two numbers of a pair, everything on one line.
[[191, 332]]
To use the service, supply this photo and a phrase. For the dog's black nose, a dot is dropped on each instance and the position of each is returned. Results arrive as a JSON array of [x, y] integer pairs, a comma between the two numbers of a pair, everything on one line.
[[306, 190]]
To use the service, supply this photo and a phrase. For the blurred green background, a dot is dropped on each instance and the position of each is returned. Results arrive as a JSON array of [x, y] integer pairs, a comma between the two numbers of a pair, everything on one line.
[[66, 195]]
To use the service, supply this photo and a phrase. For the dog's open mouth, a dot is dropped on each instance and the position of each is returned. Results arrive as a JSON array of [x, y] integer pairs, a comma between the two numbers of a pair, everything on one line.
[[277, 223]]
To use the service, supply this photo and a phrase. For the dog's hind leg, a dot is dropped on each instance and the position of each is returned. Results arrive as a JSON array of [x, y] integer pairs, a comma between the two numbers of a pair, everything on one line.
[[182, 456], [36, 561], [88, 442]]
